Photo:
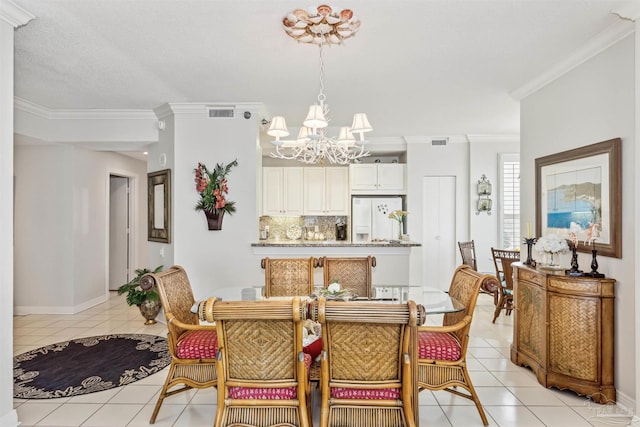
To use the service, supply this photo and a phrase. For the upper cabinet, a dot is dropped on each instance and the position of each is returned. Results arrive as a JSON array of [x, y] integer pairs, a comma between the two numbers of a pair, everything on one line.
[[326, 191], [377, 178], [282, 191]]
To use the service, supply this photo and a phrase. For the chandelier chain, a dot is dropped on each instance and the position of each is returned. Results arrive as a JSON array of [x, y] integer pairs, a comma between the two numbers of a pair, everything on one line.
[[321, 96]]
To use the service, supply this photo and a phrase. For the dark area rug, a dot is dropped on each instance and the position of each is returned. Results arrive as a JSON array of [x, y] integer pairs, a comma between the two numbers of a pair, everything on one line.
[[87, 365]]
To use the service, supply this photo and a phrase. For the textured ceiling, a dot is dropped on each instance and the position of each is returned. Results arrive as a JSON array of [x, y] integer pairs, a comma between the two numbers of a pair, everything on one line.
[[416, 67]]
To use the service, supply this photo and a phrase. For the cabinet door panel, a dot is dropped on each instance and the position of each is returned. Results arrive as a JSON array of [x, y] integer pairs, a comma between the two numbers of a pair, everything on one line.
[[336, 191], [293, 190], [314, 189], [574, 334], [272, 191], [531, 334], [363, 176], [391, 177]]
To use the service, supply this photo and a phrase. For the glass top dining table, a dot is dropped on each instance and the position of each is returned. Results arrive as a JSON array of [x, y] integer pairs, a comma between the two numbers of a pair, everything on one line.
[[434, 300]]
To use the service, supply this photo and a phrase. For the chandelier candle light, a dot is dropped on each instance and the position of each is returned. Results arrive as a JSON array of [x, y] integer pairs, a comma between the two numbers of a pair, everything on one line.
[[320, 26]]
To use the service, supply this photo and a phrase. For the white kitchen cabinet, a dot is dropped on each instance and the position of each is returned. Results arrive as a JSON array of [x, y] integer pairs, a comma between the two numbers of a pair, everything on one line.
[[377, 178], [282, 191], [326, 191]]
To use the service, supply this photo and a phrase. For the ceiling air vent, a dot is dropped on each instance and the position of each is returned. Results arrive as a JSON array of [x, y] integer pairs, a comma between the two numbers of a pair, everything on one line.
[[221, 112], [439, 141]]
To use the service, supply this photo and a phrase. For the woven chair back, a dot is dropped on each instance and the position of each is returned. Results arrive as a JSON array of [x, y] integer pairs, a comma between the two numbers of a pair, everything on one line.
[[364, 341], [502, 260], [465, 286], [288, 276], [260, 340], [176, 296], [353, 274], [468, 253]]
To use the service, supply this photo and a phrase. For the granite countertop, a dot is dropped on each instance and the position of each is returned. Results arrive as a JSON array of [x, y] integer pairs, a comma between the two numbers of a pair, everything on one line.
[[333, 243]]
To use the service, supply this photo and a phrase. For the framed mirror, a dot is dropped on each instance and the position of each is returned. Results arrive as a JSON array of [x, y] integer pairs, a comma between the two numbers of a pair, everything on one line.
[[582, 186], [159, 206]]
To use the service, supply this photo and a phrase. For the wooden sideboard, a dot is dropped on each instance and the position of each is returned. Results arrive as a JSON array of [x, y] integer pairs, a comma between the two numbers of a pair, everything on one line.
[[563, 330]]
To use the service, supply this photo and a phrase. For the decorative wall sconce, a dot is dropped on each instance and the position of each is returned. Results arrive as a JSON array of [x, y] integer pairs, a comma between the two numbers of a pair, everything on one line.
[[484, 191]]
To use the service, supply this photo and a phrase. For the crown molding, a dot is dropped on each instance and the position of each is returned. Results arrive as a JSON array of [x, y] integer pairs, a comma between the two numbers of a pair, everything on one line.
[[426, 139], [599, 43], [80, 114], [512, 138], [201, 108], [13, 14]]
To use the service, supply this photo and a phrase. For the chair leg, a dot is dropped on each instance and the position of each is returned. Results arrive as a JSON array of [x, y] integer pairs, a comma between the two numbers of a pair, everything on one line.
[[163, 393], [474, 396], [499, 307]]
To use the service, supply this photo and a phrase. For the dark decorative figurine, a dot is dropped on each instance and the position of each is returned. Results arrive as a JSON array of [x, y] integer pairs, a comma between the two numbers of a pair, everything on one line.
[[529, 242]]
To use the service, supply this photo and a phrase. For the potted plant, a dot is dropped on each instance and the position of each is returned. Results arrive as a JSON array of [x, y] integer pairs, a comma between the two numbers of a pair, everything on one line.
[[147, 300]]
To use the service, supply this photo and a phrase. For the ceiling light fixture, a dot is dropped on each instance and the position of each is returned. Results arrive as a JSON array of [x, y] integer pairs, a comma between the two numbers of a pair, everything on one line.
[[320, 26]]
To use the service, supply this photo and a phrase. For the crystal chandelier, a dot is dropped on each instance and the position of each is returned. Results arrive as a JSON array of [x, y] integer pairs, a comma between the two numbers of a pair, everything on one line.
[[320, 26]]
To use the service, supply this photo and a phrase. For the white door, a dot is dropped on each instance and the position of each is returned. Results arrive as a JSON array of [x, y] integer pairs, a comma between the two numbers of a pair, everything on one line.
[[118, 231], [439, 228]]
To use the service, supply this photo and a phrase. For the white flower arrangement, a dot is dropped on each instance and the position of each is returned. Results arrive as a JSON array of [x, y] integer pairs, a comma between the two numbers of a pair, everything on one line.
[[551, 244], [334, 288], [335, 291]]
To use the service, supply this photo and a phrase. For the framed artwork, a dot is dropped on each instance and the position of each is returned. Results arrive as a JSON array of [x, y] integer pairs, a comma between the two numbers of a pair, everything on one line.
[[159, 206], [582, 186]]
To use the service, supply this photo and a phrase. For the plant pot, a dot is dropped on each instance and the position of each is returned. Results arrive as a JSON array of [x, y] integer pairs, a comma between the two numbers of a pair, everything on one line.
[[149, 310], [214, 220]]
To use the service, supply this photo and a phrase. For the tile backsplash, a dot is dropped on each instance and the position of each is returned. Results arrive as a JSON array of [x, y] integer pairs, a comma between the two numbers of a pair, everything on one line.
[[278, 226]]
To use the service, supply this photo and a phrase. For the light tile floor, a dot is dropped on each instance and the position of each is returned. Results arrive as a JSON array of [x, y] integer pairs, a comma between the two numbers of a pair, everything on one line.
[[510, 394]]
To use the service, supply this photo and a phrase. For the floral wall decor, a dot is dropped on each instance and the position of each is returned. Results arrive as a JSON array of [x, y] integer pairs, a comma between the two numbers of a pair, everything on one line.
[[213, 188]]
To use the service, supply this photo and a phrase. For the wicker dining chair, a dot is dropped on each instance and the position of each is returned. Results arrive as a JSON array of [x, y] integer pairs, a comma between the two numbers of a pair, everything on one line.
[[368, 363], [353, 274], [288, 276], [442, 350], [193, 347], [468, 254], [502, 260], [263, 374]]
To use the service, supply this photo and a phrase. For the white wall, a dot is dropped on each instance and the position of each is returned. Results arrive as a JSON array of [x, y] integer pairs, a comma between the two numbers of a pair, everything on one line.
[[484, 228], [11, 17], [592, 103], [162, 156], [224, 258], [61, 227]]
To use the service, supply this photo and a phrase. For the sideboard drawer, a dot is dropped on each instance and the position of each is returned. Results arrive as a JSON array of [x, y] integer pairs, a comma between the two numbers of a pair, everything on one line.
[[529, 276]]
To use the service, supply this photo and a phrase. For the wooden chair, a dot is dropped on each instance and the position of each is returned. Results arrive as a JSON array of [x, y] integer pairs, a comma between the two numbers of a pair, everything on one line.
[[193, 347], [353, 274], [263, 377], [442, 349], [468, 253], [368, 363], [288, 276], [502, 259]]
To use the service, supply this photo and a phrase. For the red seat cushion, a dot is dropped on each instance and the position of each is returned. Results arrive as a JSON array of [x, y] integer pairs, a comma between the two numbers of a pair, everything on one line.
[[198, 345], [438, 346], [314, 349], [267, 393], [361, 393]]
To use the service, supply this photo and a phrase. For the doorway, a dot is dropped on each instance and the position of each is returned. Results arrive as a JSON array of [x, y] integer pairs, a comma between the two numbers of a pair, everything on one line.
[[439, 230], [120, 233]]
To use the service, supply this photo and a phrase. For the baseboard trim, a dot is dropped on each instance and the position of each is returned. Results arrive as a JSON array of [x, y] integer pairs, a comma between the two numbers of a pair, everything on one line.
[[22, 310]]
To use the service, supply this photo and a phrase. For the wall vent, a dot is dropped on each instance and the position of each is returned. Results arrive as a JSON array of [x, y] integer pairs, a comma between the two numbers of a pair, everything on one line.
[[221, 112], [439, 141]]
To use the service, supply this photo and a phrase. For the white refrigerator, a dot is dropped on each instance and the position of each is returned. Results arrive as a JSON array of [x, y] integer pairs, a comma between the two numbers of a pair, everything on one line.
[[370, 220]]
